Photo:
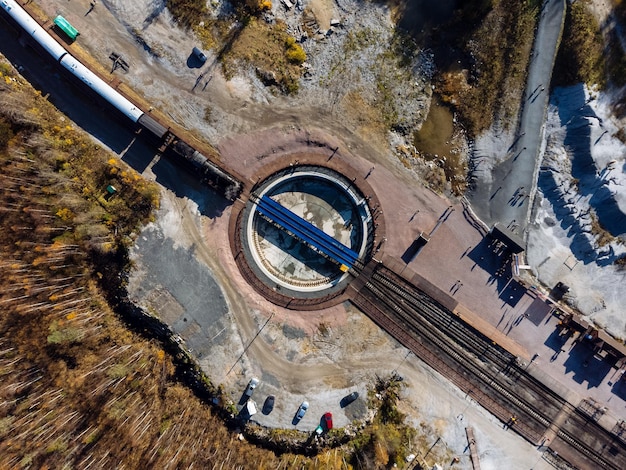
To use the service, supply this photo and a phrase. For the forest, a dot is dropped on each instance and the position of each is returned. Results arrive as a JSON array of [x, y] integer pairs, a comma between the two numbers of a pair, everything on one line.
[[78, 388]]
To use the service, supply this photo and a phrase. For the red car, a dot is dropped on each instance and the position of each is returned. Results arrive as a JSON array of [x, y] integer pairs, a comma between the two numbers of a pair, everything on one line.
[[328, 420]]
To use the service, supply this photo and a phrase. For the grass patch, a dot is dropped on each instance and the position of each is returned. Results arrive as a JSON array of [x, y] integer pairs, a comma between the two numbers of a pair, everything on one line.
[[603, 236], [581, 55], [270, 50], [500, 49], [188, 13], [616, 61], [359, 40], [6, 133], [615, 57], [369, 118]]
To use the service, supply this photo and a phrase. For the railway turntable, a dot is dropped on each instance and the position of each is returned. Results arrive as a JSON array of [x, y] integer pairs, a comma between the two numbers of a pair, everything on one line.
[[304, 234]]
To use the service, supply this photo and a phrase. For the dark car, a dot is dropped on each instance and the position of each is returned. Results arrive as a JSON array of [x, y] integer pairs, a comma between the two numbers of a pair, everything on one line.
[[328, 420], [345, 401], [199, 55], [268, 406]]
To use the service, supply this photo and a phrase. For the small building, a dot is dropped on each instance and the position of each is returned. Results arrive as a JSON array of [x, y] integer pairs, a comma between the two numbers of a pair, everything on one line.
[[250, 408], [509, 239], [413, 250], [110, 192], [65, 26], [247, 411], [198, 54]]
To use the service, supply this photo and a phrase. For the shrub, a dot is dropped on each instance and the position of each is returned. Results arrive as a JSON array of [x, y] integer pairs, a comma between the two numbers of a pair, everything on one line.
[[581, 55], [295, 53]]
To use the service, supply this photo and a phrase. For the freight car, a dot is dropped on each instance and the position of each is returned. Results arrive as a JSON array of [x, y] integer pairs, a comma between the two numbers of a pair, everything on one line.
[[210, 173]]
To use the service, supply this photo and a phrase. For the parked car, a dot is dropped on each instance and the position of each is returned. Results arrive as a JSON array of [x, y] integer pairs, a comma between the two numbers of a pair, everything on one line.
[[328, 420], [345, 401], [251, 386], [268, 406], [302, 410], [250, 409], [199, 55]]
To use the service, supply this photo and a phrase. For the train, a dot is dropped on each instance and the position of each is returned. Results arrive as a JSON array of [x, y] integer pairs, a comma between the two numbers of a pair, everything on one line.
[[208, 172]]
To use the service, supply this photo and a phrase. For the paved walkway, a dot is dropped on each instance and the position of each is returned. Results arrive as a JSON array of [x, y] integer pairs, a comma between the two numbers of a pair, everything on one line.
[[507, 192], [459, 260]]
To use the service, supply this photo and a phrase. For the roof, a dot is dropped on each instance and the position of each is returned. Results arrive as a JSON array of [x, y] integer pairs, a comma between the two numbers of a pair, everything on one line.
[[66, 27], [307, 232], [512, 241]]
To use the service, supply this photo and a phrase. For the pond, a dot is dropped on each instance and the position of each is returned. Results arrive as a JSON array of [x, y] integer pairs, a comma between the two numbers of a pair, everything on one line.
[[435, 135]]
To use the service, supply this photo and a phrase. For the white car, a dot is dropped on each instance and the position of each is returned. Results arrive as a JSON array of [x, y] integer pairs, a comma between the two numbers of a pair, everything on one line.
[[302, 410], [251, 386]]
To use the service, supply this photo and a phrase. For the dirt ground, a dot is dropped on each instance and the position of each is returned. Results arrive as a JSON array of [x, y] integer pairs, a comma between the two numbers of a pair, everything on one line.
[[319, 356]]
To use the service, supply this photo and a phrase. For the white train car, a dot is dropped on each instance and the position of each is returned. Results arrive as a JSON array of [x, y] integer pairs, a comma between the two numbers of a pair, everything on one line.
[[208, 171], [101, 87], [28, 24], [60, 54]]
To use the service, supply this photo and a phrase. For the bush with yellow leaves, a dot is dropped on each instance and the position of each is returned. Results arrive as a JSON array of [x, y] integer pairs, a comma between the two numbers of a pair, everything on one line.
[[295, 54]]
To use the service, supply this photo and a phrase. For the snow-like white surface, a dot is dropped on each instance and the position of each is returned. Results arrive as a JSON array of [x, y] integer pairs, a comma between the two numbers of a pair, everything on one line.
[[582, 176]]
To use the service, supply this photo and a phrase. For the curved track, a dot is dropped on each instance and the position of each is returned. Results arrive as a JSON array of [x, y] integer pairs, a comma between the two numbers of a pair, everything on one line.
[[486, 371]]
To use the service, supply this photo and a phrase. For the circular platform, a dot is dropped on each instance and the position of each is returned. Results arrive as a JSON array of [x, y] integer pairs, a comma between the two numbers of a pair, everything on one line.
[[282, 260]]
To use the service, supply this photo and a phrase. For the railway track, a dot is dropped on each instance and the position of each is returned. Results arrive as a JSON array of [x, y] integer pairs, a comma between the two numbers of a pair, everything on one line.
[[471, 340], [465, 369], [486, 371]]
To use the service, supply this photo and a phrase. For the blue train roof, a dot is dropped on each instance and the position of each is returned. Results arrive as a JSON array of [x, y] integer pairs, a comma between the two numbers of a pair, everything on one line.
[[307, 232]]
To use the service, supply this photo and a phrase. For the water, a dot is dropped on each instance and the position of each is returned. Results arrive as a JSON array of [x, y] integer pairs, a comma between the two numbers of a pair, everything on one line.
[[435, 135]]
